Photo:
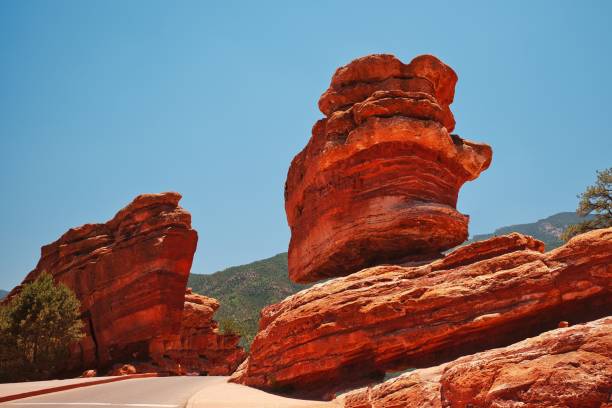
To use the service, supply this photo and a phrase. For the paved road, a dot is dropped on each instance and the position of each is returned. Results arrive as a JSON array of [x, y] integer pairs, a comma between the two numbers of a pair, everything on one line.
[[222, 394], [163, 392]]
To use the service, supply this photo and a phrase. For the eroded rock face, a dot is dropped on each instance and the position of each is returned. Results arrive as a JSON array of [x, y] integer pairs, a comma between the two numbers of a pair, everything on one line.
[[378, 180], [130, 275], [202, 348], [389, 318], [569, 367]]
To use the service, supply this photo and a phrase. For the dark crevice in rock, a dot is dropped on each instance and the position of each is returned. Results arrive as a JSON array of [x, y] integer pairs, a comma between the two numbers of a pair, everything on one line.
[[92, 331]]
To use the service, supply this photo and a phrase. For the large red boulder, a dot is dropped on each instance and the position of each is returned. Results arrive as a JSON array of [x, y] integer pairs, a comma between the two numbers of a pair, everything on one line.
[[388, 318], [130, 275], [378, 180], [570, 367]]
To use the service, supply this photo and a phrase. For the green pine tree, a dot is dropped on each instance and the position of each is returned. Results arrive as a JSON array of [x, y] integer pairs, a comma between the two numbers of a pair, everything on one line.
[[36, 329], [596, 200]]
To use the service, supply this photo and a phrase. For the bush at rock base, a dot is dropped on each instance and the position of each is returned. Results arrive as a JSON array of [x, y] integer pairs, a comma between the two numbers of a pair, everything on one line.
[[37, 327]]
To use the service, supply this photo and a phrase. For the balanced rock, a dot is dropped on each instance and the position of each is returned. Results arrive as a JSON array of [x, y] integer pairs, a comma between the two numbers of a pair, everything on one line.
[[569, 367], [130, 275], [353, 329], [378, 180]]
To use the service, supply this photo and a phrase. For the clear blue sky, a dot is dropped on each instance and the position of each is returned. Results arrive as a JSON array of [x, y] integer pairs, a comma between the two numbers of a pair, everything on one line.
[[104, 100]]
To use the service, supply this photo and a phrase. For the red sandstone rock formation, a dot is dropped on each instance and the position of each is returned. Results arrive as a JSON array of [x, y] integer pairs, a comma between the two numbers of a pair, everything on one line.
[[570, 367], [389, 318], [379, 178], [202, 348], [130, 275]]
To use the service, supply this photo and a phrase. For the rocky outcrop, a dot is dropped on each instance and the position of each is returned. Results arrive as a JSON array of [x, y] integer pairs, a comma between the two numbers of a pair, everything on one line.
[[378, 180], [371, 202], [202, 348], [569, 367], [388, 318], [130, 275]]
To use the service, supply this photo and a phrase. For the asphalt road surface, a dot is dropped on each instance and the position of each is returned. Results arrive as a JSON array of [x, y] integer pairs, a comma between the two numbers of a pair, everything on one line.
[[161, 392]]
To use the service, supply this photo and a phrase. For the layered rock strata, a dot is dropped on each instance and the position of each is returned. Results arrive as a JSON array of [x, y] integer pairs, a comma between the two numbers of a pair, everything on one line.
[[389, 318], [202, 348], [378, 180], [570, 367], [130, 275]]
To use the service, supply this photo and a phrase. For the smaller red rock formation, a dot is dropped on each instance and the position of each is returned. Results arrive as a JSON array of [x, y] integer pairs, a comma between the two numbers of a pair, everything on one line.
[[89, 373], [378, 180], [202, 348], [388, 318], [569, 367], [122, 369]]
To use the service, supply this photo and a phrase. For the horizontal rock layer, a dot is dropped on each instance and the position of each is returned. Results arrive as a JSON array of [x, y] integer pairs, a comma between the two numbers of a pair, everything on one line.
[[570, 367], [202, 348], [389, 318], [362, 77], [130, 275], [379, 179]]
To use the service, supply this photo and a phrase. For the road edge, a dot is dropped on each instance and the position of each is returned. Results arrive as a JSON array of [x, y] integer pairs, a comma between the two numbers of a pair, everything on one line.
[[195, 401], [75, 385]]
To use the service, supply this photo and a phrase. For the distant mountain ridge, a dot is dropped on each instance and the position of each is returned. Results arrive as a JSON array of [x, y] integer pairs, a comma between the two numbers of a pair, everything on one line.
[[3, 293], [244, 290], [547, 230]]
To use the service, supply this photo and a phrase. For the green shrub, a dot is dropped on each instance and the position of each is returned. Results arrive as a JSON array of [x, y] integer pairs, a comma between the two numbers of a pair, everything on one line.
[[229, 326], [36, 329]]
